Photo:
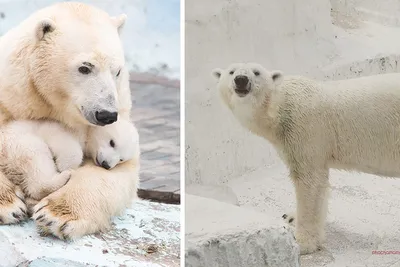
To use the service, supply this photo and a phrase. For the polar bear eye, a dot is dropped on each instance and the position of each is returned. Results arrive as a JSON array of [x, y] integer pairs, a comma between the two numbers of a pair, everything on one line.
[[118, 73], [84, 70], [231, 72], [112, 143], [256, 72]]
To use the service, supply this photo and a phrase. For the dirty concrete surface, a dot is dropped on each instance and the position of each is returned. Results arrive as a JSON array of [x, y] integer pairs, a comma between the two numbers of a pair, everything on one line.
[[147, 235], [156, 114]]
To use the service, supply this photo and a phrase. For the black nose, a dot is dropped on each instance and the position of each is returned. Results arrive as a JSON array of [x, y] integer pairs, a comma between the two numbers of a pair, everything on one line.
[[105, 165], [241, 80], [106, 117]]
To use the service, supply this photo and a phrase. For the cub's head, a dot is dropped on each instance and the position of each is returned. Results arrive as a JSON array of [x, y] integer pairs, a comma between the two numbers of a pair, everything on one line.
[[77, 63], [113, 144], [246, 83]]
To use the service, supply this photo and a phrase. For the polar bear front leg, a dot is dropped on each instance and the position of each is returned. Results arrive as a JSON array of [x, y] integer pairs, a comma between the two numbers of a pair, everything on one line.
[[12, 203], [312, 191], [86, 204]]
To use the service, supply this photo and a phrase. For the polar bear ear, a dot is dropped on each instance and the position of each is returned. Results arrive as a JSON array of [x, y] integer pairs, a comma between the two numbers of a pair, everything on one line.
[[216, 73], [277, 76], [44, 27], [119, 21]]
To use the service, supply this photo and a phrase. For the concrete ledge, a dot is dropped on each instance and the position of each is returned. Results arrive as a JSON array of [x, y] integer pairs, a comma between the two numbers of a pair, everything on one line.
[[150, 78], [148, 234], [220, 234], [217, 192]]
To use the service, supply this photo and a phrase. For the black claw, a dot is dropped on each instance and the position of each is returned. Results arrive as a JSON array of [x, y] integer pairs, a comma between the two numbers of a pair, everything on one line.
[[291, 220], [284, 216], [43, 232], [41, 208], [49, 223], [23, 211], [62, 228], [16, 216], [40, 217]]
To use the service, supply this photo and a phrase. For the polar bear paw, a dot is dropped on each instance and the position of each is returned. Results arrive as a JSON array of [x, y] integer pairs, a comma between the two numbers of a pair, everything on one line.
[[308, 244], [12, 206], [57, 216]]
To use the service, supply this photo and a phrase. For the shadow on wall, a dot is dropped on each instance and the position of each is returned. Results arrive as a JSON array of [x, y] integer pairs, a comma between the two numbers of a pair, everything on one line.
[[151, 36]]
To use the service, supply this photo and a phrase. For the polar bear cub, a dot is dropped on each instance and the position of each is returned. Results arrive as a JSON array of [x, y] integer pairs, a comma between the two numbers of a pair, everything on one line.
[[349, 124], [39, 156]]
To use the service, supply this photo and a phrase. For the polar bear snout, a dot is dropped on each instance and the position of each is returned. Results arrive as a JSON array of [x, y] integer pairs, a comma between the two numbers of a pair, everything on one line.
[[105, 117], [242, 85], [241, 81], [105, 165]]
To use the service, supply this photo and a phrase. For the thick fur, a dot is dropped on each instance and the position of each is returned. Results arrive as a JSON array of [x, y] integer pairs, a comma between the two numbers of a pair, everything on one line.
[[348, 124], [114, 143], [39, 64], [39, 156]]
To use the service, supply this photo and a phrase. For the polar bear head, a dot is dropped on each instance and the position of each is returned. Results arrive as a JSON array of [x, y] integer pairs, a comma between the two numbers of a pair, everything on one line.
[[113, 144], [246, 83], [77, 63]]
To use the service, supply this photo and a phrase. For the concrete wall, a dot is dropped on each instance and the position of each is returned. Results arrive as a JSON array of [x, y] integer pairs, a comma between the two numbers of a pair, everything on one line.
[[151, 35], [293, 36], [387, 7], [386, 12]]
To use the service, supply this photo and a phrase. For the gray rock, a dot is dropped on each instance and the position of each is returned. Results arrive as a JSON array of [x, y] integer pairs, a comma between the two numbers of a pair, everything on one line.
[[219, 234]]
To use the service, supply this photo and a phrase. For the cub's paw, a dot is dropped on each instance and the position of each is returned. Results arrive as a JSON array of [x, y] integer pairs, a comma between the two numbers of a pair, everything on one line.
[[55, 216], [289, 218], [12, 206], [62, 178]]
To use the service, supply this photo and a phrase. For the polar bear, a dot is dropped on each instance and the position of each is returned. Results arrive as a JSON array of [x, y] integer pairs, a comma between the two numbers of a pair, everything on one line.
[[66, 63], [39, 156], [112, 144], [349, 124]]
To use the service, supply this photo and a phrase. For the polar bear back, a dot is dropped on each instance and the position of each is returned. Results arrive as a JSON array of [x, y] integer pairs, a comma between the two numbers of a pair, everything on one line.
[[353, 122]]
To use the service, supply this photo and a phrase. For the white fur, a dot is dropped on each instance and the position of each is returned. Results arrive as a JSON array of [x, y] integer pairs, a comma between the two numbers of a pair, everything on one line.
[[348, 124], [125, 138], [39, 156], [40, 79]]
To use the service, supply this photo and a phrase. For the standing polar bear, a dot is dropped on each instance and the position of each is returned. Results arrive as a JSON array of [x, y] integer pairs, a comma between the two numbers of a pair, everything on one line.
[[348, 124], [39, 156], [66, 63]]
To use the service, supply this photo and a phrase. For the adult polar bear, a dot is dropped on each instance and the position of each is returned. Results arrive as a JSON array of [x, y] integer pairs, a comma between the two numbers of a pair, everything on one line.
[[66, 63], [348, 124]]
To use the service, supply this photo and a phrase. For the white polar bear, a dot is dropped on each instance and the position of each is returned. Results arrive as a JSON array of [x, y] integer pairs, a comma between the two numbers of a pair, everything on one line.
[[39, 155], [348, 124], [66, 63]]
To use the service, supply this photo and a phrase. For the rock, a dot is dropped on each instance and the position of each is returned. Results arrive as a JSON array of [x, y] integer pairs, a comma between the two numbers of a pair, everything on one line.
[[220, 234]]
